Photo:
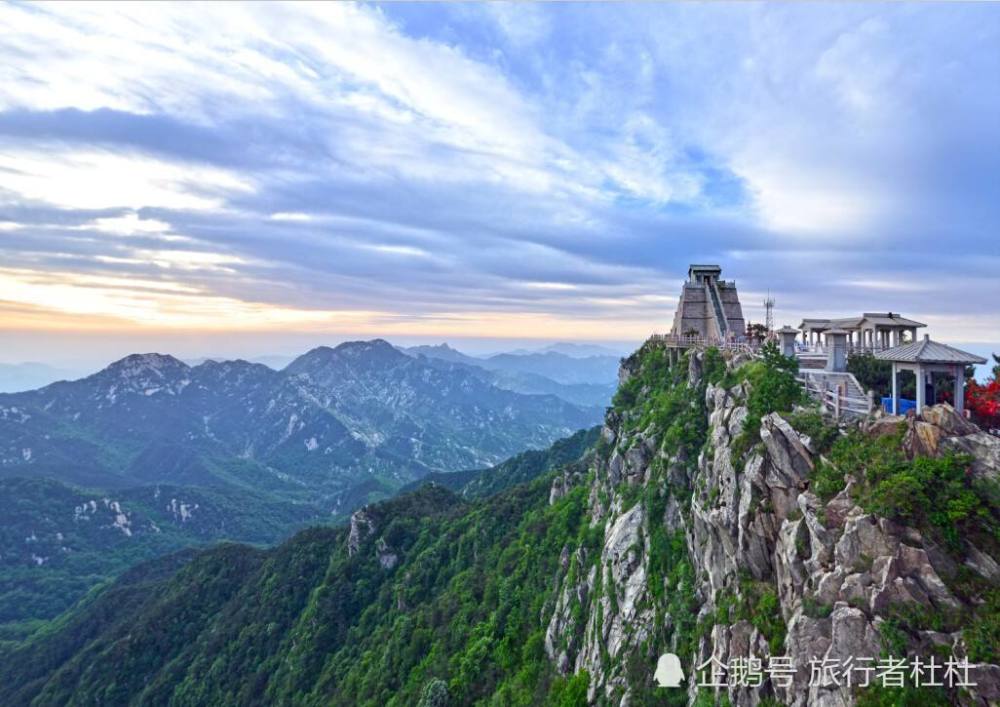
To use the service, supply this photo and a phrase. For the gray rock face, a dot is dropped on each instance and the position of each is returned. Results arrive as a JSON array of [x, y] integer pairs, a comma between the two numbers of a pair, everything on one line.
[[386, 557], [836, 570], [985, 450], [362, 526], [625, 624]]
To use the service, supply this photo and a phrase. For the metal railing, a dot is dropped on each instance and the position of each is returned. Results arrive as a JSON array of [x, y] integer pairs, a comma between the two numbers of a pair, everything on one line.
[[683, 341]]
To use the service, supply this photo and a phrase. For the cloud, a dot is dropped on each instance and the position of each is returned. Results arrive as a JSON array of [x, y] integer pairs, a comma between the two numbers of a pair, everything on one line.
[[484, 168]]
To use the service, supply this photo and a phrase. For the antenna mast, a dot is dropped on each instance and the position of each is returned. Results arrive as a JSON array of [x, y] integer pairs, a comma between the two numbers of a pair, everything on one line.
[[769, 312]]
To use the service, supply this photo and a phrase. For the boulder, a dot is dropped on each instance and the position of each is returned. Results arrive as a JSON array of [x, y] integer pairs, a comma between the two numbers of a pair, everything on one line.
[[786, 448], [637, 460], [851, 634], [945, 417], [981, 563], [885, 426], [736, 420], [922, 439], [865, 538], [694, 369], [985, 451]]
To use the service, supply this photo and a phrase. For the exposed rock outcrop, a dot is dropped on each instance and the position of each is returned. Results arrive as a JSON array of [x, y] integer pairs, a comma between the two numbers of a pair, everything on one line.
[[362, 526], [828, 574]]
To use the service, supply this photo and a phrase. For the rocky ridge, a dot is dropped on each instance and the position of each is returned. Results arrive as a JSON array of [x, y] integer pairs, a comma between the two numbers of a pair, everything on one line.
[[768, 567]]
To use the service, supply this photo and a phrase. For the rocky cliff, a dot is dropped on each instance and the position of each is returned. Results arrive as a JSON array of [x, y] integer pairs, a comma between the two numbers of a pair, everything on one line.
[[735, 529]]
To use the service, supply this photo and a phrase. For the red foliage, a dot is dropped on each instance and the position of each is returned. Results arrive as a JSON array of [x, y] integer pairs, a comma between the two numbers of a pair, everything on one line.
[[984, 402]]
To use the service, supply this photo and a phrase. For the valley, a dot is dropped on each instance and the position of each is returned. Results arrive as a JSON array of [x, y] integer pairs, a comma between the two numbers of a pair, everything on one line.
[[152, 455]]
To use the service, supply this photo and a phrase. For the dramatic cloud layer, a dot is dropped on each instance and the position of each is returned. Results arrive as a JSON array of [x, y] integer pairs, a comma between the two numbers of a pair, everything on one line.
[[494, 170]]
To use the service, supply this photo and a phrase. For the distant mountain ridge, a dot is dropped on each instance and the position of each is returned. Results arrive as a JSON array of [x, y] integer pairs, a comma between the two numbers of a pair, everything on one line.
[[582, 380], [553, 364], [333, 418]]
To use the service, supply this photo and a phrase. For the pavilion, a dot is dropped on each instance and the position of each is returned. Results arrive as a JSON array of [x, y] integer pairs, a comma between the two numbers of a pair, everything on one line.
[[872, 330], [925, 358]]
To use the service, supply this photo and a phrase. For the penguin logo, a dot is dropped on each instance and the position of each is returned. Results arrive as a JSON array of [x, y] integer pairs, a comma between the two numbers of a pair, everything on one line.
[[668, 671]]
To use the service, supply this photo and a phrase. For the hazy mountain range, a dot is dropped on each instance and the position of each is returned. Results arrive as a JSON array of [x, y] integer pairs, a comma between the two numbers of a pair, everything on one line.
[[331, 418], [16, 377], [152, 454]]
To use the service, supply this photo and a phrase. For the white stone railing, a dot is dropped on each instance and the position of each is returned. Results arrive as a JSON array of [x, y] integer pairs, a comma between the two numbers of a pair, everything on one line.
[[834, 396], [851, 348]]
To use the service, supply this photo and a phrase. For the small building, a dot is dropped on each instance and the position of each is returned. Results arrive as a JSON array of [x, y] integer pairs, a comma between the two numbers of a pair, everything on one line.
[[925, 358], [709, 306], [872, 330]]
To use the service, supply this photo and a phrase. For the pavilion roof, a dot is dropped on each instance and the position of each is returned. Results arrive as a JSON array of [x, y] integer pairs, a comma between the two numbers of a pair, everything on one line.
[[814, 322], [927, 351], [887, 319], [847, 323], [890, 319]]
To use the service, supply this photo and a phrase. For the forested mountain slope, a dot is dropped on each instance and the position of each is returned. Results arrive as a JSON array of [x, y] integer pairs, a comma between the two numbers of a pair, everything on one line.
[[58, 541], [151, 454], [714, 517], [526, 466], [418, 587]]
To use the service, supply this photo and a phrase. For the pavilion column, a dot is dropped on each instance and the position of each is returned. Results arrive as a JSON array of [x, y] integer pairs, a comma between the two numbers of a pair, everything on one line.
[[913, 333], [895, 391], [921, 389], [895, 337], [959, 388]]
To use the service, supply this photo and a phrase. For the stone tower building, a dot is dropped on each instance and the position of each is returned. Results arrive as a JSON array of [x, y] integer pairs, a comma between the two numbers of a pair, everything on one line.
[[709, 306]]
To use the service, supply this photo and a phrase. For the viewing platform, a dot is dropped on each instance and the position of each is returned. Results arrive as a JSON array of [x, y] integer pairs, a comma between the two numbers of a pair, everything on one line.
[[709, 315], [677, 341]]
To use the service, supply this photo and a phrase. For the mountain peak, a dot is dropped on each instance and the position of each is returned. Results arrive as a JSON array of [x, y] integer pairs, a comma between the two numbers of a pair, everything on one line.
[[374, 351], [156, 364], [361, 348], [442, 352], [146, 374]]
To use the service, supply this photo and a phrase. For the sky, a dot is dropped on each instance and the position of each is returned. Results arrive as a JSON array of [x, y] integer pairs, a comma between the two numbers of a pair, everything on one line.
[[232, 179]]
